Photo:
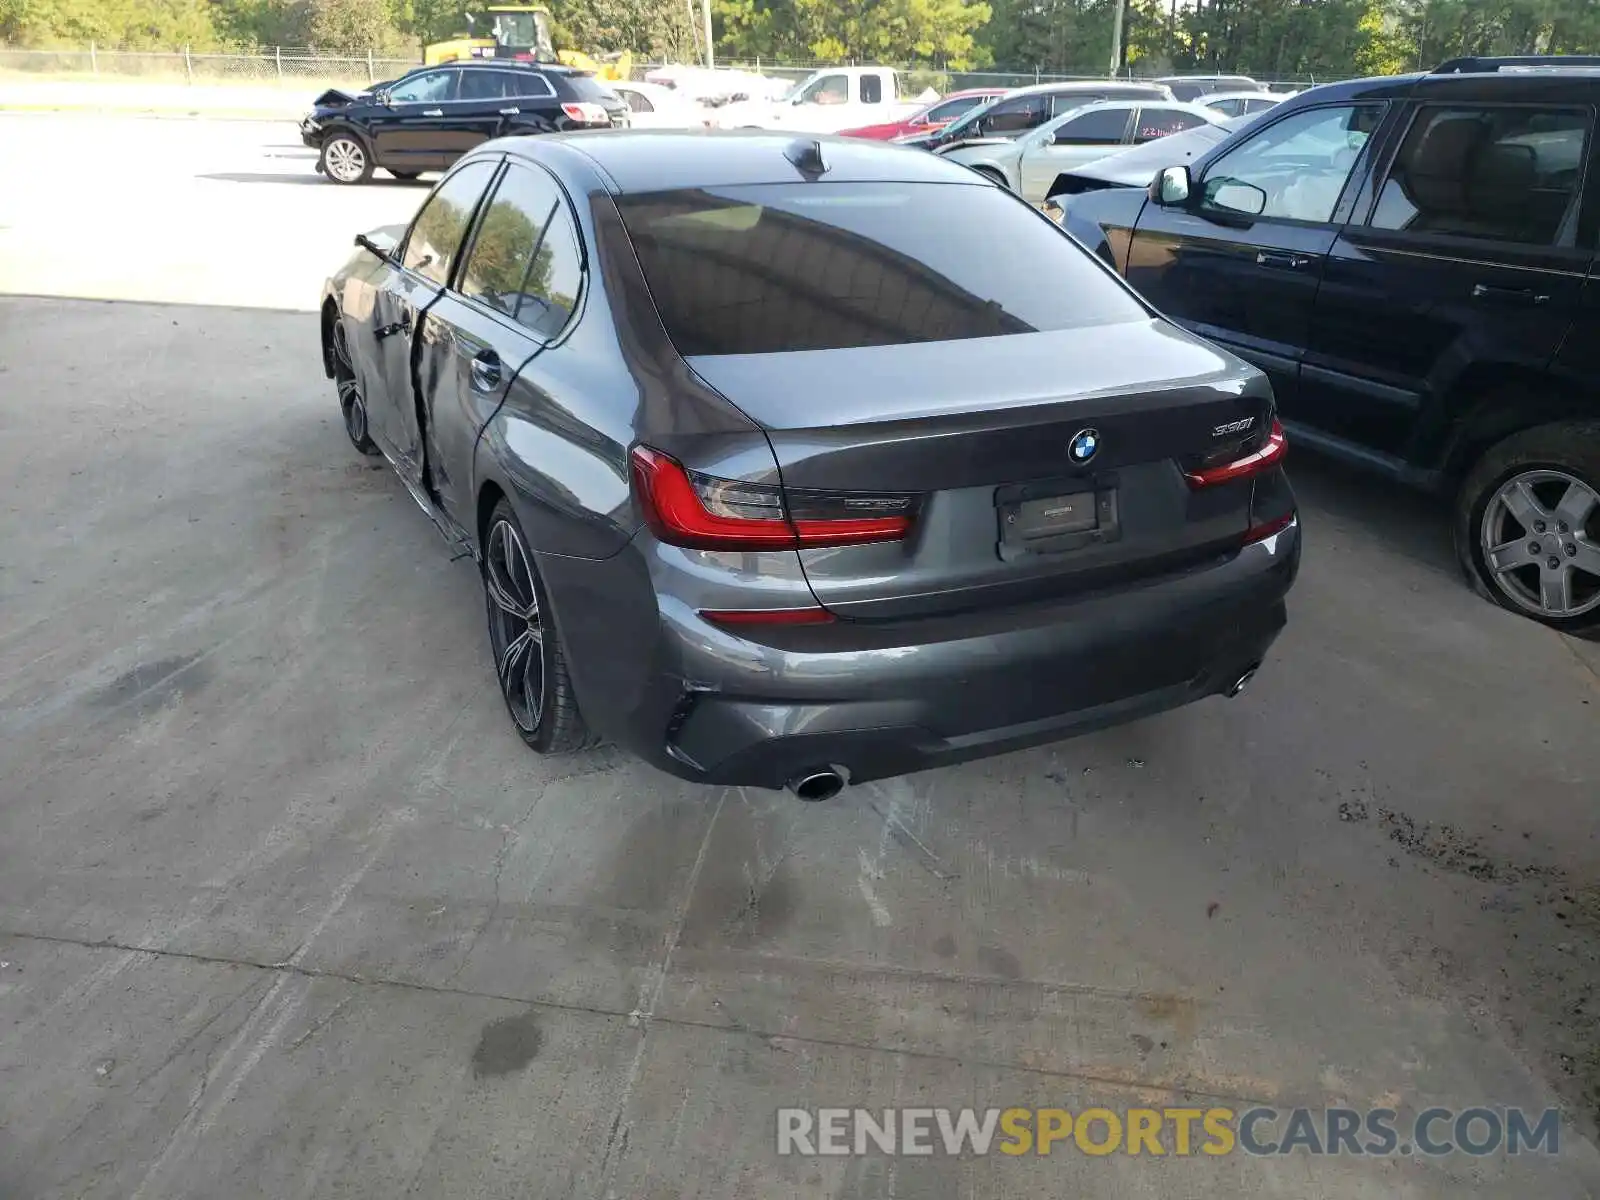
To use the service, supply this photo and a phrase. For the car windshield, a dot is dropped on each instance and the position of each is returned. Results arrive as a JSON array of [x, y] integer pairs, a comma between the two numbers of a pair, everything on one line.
[[785, 267], [524, 30], [584, 86]]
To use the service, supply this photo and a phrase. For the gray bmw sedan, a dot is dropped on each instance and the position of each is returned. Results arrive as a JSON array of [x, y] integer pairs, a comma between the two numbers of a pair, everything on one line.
[[795, 463]]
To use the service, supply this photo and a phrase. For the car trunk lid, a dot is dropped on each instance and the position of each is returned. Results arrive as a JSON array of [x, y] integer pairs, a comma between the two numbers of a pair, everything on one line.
[[978, 432]]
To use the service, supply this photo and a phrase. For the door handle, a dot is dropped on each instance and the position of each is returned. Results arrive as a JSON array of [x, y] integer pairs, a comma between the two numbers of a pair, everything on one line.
[[433, 112], [403, 325], [1487, 291], [486, 371], [510, 112], [1281, 258]]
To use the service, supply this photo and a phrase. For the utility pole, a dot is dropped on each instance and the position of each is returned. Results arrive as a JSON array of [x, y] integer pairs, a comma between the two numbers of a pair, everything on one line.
[[710, 58], [1116, 38]]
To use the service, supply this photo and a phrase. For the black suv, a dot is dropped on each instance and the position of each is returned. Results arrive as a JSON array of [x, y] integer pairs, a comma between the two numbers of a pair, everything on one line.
[[430, 117], [1413, 262]]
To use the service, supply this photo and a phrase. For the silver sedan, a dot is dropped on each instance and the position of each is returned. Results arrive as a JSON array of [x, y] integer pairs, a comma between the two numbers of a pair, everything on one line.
[[1029, 164]]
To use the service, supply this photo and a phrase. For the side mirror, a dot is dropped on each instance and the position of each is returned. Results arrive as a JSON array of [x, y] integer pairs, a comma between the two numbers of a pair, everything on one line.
[[1171, 188], [384, 252], [382, 97]]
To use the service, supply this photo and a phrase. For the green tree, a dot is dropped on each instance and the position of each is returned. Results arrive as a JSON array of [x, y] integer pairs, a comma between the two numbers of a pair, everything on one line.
[[351, 26]]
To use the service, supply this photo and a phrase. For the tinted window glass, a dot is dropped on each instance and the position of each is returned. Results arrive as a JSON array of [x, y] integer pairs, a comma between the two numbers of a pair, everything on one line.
[[871, 89], [1510, 174], [1102, 127], [951, 109], [1188, 91], [581, 87], [1295, 168], [1134, 93], [428, 88], [781, 267], [435, 238], [1156, 123], [1062, 103], [1255, 106], [1015, 115], [638, 102], [524, 260], [484, 85]]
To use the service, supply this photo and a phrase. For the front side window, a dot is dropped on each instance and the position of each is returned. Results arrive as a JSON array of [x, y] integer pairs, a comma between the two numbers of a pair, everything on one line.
[[949, 110], [1103, 127], [1506, 174], [638, 102], [434, 242], [830, 89], [1295, 169], [1228, 108], [1154, 123], [1016, 115], [774, 268], [431, 87], [523, 262]]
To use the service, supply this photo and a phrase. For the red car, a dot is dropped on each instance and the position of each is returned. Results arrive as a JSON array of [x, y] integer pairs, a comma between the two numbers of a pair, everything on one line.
[[936, 116]]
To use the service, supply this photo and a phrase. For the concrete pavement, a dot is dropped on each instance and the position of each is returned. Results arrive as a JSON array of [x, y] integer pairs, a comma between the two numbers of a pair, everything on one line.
[[286, 909]]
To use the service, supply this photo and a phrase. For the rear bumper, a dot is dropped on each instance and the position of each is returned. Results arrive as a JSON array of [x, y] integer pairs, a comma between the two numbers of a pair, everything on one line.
[[885, 699]]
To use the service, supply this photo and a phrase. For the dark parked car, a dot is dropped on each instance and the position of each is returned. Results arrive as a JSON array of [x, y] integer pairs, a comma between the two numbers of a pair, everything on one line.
[[770, 479], [1412, 261], [427, 119], [1190, 88], [1015, 113]]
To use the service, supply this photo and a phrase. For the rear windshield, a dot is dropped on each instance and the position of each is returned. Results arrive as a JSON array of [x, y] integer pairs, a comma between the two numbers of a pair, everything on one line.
[[817, 266], [587, 87]]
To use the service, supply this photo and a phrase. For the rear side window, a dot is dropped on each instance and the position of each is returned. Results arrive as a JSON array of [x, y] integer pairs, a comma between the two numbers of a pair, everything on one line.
[[525, 83], [1064, 102], [1504, 174], [583, 87], [871, 89], [638, 102], [1156, 123], [483, 85], [434, 242], [524, 260], [784, 267]]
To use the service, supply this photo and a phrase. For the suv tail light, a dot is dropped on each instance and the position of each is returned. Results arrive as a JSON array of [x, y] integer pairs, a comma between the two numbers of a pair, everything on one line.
[[1264, 457], [687, 508], [585, 113]]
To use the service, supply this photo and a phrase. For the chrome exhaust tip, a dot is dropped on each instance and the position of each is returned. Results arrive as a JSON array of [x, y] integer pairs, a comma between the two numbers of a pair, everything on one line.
[[1239, 684], [823, 784]]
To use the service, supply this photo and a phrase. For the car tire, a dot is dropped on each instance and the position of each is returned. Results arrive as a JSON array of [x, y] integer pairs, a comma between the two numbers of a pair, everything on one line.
[[544, 711], [1550, 475], [352, 401], [407, 176], [345, 159]]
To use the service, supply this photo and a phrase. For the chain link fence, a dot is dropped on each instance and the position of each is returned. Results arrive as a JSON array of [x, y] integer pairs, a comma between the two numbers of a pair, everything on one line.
[[278, 64], [289, 65]]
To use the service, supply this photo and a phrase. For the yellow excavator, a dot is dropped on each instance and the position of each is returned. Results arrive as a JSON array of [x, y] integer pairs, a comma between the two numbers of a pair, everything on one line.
[[521, 31]]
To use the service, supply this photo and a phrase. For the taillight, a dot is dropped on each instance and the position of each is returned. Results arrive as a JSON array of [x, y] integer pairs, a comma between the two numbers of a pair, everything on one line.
[[585, 113], [1264, 458], [687, 508]]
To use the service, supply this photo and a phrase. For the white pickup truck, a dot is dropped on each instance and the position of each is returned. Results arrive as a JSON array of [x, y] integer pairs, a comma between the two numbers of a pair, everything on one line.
[[831, 99]]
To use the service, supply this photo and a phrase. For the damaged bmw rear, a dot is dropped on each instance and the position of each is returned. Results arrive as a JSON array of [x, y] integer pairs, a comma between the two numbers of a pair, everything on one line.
[[787, 477]]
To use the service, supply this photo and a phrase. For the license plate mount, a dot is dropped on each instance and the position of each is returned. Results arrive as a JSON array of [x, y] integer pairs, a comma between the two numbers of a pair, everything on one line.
[[1055, 516]]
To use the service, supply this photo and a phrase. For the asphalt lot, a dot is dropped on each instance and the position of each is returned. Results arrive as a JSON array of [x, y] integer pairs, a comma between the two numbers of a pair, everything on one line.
[[287, 910]]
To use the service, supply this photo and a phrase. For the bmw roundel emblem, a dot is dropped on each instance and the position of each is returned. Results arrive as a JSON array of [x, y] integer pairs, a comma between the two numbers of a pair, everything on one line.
[[1083, 446]]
